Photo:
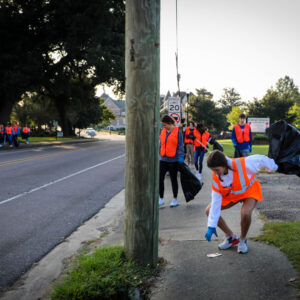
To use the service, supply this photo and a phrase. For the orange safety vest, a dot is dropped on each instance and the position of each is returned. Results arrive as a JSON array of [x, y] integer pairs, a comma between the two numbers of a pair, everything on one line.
[[242, 187], [242, 135], [1, 129], [203, 138], [25, 129], [8, 130], [15, 127], [168, 146], [187, 140]]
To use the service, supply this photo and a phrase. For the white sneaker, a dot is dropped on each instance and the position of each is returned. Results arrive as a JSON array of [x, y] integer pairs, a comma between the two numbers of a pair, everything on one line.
[[10, 146], [161, 201], [199, 176], [242, 247], [229, 242], [0, 145], [174, 203]]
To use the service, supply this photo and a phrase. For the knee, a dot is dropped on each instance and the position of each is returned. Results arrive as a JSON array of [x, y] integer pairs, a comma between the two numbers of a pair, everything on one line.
[[246, 214]]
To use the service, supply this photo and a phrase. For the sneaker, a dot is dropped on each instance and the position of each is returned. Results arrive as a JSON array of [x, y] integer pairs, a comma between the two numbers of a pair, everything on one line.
[[174, 203], [10, 146], [242, 247], [229, 242], [161, 201], [199, 176]]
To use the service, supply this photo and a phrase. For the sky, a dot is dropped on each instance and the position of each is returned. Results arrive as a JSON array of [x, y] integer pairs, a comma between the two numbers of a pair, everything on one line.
[[243, 44]]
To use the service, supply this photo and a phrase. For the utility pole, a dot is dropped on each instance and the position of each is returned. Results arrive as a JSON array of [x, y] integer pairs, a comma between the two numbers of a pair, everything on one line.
[[142, 68]]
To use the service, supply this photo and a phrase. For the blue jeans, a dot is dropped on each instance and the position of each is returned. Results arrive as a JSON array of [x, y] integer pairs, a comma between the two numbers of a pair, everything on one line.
[[198, 158]]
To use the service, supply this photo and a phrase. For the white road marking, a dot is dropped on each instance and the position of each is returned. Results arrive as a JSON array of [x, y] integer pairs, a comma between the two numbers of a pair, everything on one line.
[[60, 179]]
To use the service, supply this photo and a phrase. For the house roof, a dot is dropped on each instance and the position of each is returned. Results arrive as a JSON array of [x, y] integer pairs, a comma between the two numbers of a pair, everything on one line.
[[120, 103]]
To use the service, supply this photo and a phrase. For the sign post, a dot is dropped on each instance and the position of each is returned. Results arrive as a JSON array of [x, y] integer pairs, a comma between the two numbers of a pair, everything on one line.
[[174, 109]]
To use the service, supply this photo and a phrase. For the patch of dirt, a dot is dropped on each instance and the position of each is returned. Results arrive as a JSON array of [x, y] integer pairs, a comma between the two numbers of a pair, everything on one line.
[[281, 197]]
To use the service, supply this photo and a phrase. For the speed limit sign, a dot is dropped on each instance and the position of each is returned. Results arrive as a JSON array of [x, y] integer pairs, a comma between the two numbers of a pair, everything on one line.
[[174, 105]]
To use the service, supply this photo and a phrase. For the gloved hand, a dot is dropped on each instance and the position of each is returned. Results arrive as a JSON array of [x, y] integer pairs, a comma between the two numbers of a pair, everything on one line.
[[250, 149], [181, 159], [210, 232]]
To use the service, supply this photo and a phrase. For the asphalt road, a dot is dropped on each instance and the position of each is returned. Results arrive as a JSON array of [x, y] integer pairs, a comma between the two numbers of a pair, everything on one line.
[[46, 193]]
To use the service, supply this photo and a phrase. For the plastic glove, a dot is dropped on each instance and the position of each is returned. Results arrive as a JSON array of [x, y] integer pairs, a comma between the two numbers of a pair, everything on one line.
[[210, 232], [250, 149], [181, 159]]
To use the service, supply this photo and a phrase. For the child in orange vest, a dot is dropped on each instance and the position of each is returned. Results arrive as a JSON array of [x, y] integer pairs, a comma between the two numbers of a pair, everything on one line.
[[242, 137], [233, 181]]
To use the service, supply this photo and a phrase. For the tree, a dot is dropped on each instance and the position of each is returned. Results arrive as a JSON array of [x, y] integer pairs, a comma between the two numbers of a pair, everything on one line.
[[294, 113], [271, 106], [233, 116], [229, 99], [203, 110]]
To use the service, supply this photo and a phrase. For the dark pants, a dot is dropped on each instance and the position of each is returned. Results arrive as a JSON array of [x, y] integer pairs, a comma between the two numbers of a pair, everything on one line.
[[172, 167], [198, 158]]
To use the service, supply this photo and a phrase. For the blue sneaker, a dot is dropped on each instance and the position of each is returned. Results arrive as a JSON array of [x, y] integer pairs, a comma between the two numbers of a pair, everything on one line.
[[161, 202]]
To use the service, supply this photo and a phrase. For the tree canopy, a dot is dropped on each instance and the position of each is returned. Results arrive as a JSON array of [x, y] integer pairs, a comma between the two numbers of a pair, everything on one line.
[[61, 50]]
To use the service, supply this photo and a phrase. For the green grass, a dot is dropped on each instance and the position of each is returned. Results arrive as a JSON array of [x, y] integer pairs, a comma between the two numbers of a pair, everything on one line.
[[36, 139], [256, 149], [104, 274], [285, 236]]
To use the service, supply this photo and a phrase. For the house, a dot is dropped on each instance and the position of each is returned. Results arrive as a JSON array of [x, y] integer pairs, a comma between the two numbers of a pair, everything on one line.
[[117, 107]]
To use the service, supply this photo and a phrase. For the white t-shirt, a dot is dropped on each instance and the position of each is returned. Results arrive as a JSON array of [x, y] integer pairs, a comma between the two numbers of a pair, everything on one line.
[[253, 163]]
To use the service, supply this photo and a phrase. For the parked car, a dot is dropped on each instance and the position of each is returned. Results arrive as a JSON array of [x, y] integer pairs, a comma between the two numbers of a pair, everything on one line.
[[91, 132]]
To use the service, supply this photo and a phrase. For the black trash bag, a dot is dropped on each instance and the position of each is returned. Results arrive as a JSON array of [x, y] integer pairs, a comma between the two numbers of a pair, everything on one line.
[[284, 147], [189, 182], [218, 146]]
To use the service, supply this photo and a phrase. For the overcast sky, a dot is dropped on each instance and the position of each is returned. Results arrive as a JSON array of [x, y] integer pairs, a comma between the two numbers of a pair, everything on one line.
[[244, 44]]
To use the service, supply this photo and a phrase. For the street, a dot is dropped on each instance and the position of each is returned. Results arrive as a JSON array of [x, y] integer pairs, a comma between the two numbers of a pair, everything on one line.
[[46, 193]]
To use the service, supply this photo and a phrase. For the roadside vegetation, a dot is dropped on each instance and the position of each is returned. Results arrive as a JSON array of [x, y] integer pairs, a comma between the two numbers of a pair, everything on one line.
[[229, 149], [104, 274], [285, 236]]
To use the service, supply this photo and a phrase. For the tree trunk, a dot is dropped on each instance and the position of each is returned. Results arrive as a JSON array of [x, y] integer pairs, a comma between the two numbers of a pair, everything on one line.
[[5, 111], [142, 130]]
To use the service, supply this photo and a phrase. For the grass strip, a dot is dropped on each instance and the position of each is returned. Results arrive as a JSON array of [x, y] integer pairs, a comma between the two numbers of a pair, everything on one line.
[[285, 236], [104, 274]]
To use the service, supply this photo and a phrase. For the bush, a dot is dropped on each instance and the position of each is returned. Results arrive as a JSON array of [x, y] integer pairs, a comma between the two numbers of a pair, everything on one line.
[[104, 274], [260, 137]]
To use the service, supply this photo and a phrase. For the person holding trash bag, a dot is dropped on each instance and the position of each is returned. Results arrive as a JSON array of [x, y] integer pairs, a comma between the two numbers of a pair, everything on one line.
[[200, 146], [242, 137], [16, 129], [189, 144], [234, 181], [171, 153]]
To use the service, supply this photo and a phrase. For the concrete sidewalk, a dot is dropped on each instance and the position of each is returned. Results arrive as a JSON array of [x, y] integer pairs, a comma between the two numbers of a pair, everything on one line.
[[263, 273]]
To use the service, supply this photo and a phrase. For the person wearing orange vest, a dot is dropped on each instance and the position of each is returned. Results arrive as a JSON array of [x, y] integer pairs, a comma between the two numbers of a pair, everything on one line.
[[242, 137], [9, 133], [1, 134], [202, 137], [234, 181], [26, 131], [189, 143], [171, 153], [16, 134]]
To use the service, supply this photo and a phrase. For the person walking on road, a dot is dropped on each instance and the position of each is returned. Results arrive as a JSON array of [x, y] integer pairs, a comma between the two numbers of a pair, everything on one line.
[[242, 137], [9, 133], [1, 134], [189, 144], [234, 181], [171, 153], [200, 146], [26, 131], [16, 134]]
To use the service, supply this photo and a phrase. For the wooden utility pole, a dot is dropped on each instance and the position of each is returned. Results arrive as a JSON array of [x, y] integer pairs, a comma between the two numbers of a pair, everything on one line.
[[142, 64]]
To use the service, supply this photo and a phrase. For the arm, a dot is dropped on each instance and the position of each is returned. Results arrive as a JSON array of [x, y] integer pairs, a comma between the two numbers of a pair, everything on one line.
[[215, 209], [255, 163]]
